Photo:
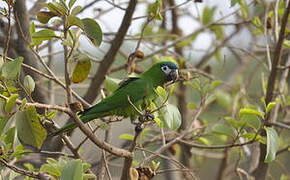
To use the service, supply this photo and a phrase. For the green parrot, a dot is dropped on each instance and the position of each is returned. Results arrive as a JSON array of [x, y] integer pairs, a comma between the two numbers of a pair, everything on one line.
[[139, 91]]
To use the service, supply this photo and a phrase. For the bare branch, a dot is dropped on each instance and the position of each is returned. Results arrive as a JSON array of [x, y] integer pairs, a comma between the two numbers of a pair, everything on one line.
[[109, 58]]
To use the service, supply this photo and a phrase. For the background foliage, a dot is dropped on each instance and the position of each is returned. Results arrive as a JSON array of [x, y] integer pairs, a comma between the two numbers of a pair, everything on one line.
[[228, 114]]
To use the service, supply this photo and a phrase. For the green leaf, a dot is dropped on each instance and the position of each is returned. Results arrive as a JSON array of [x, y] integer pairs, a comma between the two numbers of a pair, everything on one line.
[[252, 120], [223, 98], [51, 167], [29, 84], [75, 21], [235, 123], [234, 2], [10, 136], [245, 111], [172, 117], [82, 68], [3, 122], [32, 28], [155, 165], [244, 9], [204, 140], [57, 8], [29, 128], [45, 16], [161, 92], [111, 84], [89, 176], [93, 31], [45, 34], [272, 144], [73, 170], [270, 106], [208, 14], [219, 34], [223, 130], [18, 151], [154, 10], [23, 103], [257, 22], [71, 3], [214, 84], [126, 136], [251, 136], [50, 115], [10, 103], [284, 177], [11, 69], [286, 43], [158, 122], [29, 166], [76, 10], [191, 106]]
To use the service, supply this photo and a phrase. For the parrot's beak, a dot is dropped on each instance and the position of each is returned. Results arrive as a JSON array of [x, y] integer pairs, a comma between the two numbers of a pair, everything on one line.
[[173, 75]]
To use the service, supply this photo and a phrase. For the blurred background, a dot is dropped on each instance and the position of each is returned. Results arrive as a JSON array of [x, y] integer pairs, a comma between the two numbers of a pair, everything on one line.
[[224, 50]]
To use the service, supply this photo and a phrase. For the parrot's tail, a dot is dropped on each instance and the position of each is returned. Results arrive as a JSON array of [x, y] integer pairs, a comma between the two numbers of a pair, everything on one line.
[[72, 125], [66, 128]]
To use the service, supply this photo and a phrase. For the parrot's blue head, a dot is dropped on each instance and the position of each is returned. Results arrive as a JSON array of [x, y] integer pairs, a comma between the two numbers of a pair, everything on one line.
[[162, 72], [170, 69]]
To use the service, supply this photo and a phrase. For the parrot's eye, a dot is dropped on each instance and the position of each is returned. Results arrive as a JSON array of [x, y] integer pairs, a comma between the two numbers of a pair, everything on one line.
[[166, 69]]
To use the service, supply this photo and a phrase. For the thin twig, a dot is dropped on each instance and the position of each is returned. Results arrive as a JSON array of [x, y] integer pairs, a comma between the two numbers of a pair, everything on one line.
[[8, 36]]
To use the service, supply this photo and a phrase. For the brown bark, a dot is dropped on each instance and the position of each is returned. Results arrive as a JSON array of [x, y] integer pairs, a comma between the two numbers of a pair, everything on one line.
[[261, 171]]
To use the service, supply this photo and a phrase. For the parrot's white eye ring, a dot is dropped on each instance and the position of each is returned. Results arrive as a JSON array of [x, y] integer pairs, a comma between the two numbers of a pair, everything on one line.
[[166, 69]]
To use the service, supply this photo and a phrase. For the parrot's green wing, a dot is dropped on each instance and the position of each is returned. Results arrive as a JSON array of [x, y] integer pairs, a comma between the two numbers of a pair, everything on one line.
[[137, 89], [127, 81], [134, 88]]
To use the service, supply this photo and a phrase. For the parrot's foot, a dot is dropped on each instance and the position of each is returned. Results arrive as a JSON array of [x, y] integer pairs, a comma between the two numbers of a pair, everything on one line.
[[148, 116]]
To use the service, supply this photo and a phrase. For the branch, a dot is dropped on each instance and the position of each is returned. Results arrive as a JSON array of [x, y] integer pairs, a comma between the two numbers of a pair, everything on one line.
[[109, 58], [39, 175], [40, 105], [279, 124], [261, 170], [194, 145], [128, 161], [176, 162], [101, 144], [277, 57], [177, 139]]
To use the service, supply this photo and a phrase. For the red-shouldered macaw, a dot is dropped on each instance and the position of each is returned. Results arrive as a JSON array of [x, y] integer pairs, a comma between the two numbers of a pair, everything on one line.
[[140, 91]]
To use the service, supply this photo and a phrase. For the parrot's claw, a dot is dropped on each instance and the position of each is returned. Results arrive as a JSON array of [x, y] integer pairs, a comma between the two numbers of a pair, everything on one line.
[[149, 117]]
